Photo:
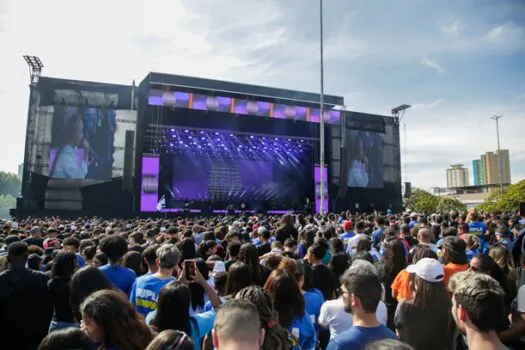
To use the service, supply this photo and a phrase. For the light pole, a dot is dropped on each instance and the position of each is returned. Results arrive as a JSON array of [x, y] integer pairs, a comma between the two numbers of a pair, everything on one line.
[[322, 179], [496, 118], [399, 113]]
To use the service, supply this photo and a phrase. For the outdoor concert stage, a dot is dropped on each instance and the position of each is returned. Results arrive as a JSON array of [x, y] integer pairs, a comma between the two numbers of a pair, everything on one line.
[[181, 145]]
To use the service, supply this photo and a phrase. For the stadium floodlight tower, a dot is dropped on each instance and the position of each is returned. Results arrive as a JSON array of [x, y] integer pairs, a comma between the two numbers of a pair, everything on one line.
[[399, 114], [35, 68]]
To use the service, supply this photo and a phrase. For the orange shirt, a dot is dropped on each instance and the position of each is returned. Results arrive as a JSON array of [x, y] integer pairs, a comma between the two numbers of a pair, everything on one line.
[[401, 286], [450, 269]]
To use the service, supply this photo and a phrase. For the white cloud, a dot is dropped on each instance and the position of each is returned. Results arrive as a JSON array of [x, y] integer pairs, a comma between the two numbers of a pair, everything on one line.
[[433, 64], [453, 28], [432, 104], [505, 33]]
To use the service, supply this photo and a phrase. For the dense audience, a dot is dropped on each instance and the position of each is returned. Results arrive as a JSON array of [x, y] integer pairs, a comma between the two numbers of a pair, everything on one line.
[[349, 281]]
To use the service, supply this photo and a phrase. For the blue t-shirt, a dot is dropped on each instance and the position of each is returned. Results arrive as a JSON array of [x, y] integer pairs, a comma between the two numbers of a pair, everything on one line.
[[376, 236], [304, 332], [200, 325], [313, 302], [345, 237], [358, 337], [80, 260], [121, 277], [145, 292], [471, 252], [478, 228]]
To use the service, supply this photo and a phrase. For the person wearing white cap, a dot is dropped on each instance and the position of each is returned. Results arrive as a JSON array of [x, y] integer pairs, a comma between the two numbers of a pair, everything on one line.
[[412, 321]]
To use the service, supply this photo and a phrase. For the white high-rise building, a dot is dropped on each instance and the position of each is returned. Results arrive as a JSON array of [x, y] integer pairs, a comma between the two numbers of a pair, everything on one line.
[[457, 176]]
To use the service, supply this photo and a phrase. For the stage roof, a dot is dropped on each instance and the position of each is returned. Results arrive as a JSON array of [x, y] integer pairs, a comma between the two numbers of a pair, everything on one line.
[[229, 87]]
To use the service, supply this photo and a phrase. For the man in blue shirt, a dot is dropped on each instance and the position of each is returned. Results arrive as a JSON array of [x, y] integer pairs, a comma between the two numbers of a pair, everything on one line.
[[146, 289], [361, 294], [378, 234], [348, 233], [115, 247]]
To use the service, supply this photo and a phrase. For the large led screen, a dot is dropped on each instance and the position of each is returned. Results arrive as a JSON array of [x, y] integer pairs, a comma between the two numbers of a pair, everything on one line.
[[82, 143], [365, 159]]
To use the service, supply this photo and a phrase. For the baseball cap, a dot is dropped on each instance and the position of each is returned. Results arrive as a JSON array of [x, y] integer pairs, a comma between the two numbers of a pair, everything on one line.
[[453, 242], [427, 269], [347, 225]]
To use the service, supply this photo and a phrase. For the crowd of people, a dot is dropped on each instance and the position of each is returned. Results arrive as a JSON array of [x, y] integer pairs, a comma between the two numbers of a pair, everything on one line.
[[336, 281]]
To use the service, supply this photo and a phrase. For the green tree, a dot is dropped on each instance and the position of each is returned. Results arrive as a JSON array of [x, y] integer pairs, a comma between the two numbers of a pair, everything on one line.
[[508, 202], [447, 204], [6, 202], [422, 201], [9, 184]]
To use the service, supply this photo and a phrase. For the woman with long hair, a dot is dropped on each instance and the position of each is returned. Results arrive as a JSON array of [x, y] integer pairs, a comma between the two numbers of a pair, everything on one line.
[[289, 303], [133, 260], [64, 266], [85, 282], [401, 288], [171, 339], [110, 320], [174, 308], [503, 257], [393, 262], [199, 297], [249, 255], [239, 277], [424, 321], [286, 229], [276, 337]]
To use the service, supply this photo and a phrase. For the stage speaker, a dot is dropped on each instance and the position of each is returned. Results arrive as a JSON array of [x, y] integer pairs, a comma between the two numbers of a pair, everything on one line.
[[408, 189], [129, 158], [522, 209], [343, 173]]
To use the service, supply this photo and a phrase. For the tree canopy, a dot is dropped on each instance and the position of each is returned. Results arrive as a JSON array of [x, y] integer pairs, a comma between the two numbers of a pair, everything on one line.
[[508, 202], [9, 189], [422, 201]]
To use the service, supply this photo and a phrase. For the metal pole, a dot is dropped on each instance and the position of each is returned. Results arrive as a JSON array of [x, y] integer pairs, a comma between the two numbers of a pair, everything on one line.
[[321, 126], [500, 167]]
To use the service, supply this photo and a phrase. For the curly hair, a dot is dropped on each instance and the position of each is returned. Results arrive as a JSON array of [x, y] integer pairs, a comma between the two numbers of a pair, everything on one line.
[[276, 337]]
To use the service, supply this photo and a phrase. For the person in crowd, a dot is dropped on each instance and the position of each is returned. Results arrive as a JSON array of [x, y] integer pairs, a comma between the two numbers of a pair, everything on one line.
[[174, 305], [393, 262], [249, 255], [377, 235], [359, 234], [401, 287], [133, 260], [72, 244], [286, 229], [171, 340], [25, 302], [477, 307], [35, 237], [276, 337], [503, 257], [429, 298], [149, 259], [64, 266], [114, 247], [66, 339], [340, 260], [361, 290], [145, 291], [425, 236], [85, 282], [388, 344], [238, 326], [239, 277], [454, 256], [233, 252], [323, 277], [110, 320], [290, 306], [333, 315]]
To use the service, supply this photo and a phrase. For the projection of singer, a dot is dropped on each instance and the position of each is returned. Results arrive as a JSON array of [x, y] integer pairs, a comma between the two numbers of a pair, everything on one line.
[[69, 162], [358, 174]]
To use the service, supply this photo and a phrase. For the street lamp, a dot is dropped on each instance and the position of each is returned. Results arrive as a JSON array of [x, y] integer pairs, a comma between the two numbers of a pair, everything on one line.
[[496, 118], [399, 113]]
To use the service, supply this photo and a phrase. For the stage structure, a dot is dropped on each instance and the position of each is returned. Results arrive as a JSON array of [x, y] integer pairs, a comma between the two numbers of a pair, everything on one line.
[[176, 144]]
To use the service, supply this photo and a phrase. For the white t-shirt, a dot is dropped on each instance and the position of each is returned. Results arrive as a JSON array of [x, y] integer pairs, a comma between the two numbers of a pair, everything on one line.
[[333, 315]]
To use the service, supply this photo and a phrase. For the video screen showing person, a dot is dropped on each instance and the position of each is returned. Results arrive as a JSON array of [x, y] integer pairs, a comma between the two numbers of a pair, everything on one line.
[[82, 143], [365, 159]]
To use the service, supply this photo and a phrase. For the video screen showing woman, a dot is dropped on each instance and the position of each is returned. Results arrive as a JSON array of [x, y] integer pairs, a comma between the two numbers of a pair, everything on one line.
[[82, 143], [365, 162]]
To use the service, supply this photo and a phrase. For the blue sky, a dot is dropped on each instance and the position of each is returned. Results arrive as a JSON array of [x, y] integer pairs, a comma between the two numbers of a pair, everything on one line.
[[455, 62]]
